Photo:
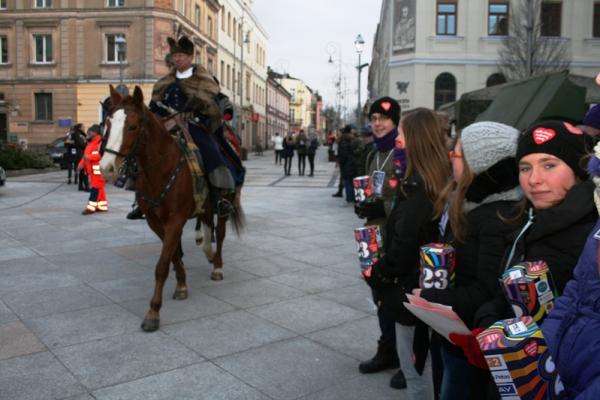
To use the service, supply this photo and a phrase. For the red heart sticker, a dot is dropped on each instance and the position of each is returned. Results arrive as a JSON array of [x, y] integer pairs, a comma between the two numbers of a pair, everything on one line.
[[542, 135], [531, 349], [386, 105], [393, 182], [573, 129]]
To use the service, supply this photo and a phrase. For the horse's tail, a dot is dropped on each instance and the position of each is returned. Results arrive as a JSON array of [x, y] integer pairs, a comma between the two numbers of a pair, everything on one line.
[[238, 218]]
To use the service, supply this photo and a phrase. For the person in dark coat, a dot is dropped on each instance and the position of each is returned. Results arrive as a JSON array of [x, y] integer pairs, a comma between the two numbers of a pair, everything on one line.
[[347, 162], [75, 142], [486, 186], [410, 225], [288, 154], [571, 329], [301, 148], [311, 151]]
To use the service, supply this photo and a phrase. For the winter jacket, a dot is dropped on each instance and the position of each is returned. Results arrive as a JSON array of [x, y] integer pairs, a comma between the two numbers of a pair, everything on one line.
[[556, 236], [277, 142], [301, 144], [313, 144], [409, 226], [346, 159], [288, 148], [571, 329], [91, 162]]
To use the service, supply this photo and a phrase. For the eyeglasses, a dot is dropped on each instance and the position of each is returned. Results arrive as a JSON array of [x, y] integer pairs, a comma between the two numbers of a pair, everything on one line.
[[375, 118], [453, 154]]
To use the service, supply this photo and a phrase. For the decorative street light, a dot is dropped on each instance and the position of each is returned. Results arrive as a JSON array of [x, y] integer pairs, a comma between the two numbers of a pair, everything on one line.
[[331, 49], [121, 43], [359, 44]]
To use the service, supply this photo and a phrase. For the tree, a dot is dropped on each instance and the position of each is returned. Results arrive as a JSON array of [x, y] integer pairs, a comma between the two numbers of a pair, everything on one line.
[[332, 118], [525, 52]]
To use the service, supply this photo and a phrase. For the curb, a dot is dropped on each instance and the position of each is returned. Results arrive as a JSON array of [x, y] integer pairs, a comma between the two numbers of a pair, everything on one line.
[[30, 171]]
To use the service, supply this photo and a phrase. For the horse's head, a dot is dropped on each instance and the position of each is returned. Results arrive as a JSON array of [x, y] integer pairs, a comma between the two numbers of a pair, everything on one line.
[[122, 131]]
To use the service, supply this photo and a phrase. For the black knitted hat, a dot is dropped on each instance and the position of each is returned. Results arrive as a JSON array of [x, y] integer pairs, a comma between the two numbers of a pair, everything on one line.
[[560, 139], [388, 107]]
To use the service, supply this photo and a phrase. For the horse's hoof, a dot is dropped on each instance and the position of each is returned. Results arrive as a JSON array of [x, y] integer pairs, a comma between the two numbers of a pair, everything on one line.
[[216, 275], [180, 294], [150, 325]]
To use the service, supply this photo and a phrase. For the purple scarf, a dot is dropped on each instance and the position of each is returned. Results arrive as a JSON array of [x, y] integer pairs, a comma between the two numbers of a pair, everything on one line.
[[387, 142]]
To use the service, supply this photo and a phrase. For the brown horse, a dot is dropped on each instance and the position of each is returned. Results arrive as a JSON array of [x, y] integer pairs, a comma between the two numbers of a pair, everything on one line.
[[164, 191]]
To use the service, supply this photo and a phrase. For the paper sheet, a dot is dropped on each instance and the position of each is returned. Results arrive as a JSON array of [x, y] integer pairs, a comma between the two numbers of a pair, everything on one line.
[[439, 317]]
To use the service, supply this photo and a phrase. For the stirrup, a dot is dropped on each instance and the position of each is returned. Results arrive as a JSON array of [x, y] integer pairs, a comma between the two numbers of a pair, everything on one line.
[[224, 208]]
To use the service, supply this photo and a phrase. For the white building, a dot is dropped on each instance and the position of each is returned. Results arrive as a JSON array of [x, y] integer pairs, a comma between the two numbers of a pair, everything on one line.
[[429, 52], [244, 84]]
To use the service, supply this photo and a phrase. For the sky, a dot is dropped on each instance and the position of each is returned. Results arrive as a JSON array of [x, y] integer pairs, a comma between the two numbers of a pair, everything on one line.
[[303, 33]]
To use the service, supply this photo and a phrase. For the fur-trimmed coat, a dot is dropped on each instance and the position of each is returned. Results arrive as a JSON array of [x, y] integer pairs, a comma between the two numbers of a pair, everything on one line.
[[201, 87]]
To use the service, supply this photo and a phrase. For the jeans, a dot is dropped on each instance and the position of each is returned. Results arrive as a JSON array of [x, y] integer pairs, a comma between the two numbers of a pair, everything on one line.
[[457, 377], [418, 387], [349, 188], [301, 163], [287, 165], [278, 156], [311, 162]]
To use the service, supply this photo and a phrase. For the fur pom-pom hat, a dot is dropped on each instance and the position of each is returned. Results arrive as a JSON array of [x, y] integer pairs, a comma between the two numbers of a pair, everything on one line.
[[183, 45]]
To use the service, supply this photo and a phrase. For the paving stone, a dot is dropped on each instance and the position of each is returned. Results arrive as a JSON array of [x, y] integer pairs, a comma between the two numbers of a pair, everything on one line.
[[228, 333], [36, 377], [252, 293], [45, 302], [6, 315], [74, 327], [269, 266], [306, 314], [202, 381], [289, 369], [17, 340], [123, 358], [195, 306], [357, 296], [314, 280], [374, 386], [35, 282]]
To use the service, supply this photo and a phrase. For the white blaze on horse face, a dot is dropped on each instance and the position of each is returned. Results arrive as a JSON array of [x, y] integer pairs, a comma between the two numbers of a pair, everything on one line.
[[115, 140]]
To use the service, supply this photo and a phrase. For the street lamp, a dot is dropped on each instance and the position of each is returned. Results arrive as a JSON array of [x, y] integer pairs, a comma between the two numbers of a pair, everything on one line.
[[359, 44], [331, 49], [121, 43]]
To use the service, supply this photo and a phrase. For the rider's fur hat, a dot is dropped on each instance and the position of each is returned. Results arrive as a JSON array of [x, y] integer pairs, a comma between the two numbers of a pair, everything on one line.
[[183, 45]]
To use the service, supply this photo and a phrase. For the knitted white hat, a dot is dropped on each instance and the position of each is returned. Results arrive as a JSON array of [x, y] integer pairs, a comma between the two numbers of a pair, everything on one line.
[[486, 143]]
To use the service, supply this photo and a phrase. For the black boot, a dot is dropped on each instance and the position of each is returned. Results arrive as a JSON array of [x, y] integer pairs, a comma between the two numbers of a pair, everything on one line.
[[398, 381], [385, 358], [337, 194], [136, 213]]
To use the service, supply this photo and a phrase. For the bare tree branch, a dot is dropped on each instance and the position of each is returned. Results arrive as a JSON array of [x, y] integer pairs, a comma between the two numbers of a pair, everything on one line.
[[549, 54]]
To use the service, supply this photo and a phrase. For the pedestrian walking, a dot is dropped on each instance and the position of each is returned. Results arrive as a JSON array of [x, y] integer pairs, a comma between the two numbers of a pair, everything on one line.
[[313, 144], [301, 149], [74, 146], [90, 162], [278, 147], [288, 154]]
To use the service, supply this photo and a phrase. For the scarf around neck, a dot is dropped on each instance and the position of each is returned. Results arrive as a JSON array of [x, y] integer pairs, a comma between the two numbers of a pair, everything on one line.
[[387, 142]]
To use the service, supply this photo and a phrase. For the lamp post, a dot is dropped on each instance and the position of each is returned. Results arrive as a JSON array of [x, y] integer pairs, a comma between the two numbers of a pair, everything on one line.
[[121, 46], [359, 44], [331, 49]]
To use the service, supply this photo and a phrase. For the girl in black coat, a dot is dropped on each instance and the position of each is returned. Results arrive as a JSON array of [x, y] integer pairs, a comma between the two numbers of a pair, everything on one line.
[[410, 225], [486, 186], [288, 153]]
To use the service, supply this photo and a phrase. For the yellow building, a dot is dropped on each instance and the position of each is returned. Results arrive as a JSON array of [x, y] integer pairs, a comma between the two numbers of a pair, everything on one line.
[[300, 102], [57, 58]]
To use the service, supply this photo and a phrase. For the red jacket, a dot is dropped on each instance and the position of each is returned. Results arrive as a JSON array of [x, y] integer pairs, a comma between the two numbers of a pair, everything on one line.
[[91, 161]]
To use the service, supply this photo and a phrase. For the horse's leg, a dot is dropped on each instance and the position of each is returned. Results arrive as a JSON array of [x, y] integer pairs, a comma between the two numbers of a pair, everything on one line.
[[172, 238], [206, 243], [217, 274], [181, 291], [199, 237]]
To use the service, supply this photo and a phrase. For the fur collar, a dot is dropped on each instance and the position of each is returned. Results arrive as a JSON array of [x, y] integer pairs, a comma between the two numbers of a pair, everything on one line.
[[514, 194]]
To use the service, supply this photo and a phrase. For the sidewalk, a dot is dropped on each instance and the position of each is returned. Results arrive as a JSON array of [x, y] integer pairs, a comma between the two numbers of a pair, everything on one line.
[[291, 319]]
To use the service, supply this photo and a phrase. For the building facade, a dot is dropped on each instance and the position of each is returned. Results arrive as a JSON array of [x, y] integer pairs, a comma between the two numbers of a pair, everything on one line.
[[59, 57], [300, 102], [242, 69], [429, 52], [278, 108]]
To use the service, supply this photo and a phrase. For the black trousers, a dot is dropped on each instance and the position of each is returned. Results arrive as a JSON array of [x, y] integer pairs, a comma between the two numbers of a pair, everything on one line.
[[301, 164], [287, 166], [311, 163]]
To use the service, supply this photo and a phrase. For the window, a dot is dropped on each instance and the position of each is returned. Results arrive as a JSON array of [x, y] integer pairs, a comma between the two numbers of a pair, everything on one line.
[[3, 5], [115, 3], [43, 48], [596, 20], [445, 89], [116, 48], [223, 22], [228, 82], [248, 86], [229, 24], [3, 50], [495, 79], [222, 73], [197, 16], [43, 106], [43, 3], [446, 19], [209, 27], [551, 15], [209, 65], [498, 19]]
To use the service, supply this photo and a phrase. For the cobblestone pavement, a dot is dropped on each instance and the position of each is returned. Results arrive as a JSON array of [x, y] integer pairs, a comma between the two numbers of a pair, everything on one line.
[[291, 319]]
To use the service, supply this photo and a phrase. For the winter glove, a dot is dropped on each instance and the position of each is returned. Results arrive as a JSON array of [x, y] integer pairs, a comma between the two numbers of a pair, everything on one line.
[[370, 210], [470, 346]]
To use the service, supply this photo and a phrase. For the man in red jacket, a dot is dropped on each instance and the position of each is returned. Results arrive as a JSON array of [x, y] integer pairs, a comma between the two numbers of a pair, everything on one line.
[[90, 163]]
